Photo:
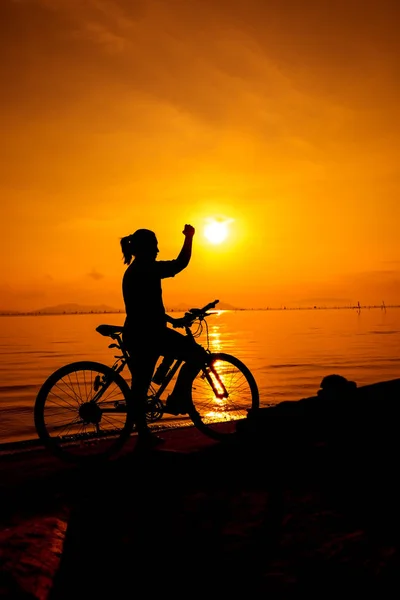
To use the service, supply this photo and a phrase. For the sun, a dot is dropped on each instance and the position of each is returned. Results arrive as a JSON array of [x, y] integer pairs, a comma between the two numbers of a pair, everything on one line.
[[216, 231]]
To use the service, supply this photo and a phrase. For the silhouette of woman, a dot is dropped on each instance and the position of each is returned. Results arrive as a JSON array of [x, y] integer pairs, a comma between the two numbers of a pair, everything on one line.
[[146, 333]]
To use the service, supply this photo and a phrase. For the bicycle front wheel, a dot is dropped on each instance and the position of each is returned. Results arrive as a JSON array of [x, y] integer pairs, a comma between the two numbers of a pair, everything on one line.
[[222, 393], [83, 412]]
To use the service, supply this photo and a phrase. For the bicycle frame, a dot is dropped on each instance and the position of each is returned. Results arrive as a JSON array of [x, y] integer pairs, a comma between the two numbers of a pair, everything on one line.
[[214, 381]]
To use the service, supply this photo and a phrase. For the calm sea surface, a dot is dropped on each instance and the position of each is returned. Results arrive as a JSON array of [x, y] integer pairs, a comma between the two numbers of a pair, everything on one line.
[[289, 352]]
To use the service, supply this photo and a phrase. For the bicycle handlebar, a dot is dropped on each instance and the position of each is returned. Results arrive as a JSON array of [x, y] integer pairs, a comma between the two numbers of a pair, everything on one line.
[[199, 313], [210, 305]]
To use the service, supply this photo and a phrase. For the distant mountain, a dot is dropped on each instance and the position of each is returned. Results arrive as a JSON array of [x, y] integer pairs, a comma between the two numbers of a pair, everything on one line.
[[61, 309], [226, 306]]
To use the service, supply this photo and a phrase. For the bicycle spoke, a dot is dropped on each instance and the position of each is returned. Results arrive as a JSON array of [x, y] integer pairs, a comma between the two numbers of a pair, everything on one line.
[[225, 375], [83, 402]]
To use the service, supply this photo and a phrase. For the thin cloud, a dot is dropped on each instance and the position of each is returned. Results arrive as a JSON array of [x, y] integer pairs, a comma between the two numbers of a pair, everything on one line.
[[99, 21], [394, 263], [102, 35], [379, 273], [95, 275]]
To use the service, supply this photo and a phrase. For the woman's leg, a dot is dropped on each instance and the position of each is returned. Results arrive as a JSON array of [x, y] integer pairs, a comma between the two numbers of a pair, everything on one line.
[[143, 360], [182, 347]]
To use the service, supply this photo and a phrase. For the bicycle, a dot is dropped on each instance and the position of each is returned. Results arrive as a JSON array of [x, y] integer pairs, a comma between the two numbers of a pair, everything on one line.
[[84, 411]]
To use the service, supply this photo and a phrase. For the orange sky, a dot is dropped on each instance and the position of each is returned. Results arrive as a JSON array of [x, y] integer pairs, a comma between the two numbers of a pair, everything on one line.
[[280, 115]]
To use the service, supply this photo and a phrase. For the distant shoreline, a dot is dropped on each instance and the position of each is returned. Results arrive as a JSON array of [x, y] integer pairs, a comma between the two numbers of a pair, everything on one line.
[[169, 310]]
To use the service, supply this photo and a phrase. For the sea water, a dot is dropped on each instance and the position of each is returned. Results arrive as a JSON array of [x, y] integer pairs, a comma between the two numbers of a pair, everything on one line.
[[288, 352]]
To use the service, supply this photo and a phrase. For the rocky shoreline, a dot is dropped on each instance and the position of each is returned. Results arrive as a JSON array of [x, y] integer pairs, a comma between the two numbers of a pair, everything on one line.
[[306, 500]]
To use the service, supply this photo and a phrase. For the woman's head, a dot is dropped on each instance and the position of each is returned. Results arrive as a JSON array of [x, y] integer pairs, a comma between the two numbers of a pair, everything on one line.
[[141, 243]]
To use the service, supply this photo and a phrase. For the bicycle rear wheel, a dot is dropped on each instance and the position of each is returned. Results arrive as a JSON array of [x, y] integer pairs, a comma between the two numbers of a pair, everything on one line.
[[83, 412], [217, 416]]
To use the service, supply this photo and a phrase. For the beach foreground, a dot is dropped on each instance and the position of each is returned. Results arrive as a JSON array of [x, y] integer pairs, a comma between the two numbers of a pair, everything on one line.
[[305, 500]]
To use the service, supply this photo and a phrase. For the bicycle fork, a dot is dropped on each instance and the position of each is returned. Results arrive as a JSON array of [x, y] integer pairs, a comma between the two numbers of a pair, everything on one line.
[[215, 382]]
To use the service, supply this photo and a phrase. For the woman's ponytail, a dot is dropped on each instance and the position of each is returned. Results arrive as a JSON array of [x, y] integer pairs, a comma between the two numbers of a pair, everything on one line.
[[126, 249]]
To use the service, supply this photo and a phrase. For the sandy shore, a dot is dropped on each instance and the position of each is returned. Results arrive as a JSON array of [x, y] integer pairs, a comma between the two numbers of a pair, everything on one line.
[[306, 501]]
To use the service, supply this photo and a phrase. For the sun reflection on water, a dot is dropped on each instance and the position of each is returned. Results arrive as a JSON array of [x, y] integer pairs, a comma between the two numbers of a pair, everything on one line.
[[215, 339]]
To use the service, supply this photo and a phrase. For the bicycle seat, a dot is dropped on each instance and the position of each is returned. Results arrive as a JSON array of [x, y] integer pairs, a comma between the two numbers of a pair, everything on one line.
[[110, 329]]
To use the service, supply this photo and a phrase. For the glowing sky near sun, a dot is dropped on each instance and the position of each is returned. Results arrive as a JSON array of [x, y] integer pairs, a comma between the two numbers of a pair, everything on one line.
[[279, 117]]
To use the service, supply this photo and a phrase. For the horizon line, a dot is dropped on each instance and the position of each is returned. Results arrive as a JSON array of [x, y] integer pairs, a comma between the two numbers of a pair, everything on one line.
[[357, 307]]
